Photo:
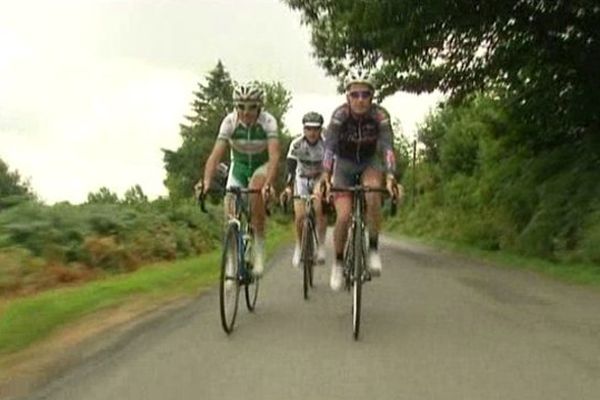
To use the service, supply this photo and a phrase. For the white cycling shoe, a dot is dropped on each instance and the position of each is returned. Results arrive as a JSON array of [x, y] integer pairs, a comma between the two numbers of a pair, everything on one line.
[[374, 263], [337, 276], [296, 257], [259, 252], [321, 254]]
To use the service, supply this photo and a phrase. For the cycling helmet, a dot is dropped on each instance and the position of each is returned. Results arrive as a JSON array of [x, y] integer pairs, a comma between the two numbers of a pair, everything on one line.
[[311, 119], [359, 76], [248, 93]]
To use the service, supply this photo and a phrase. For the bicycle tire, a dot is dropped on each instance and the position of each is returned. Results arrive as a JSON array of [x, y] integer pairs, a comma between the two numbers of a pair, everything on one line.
[[305, 257], [357, 272], [251, 292], [315, 245], [349, 258], [229, 284]]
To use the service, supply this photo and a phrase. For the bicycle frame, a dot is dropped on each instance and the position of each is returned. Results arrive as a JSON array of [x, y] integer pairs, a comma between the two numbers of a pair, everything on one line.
[[242, 217], [309, 209]]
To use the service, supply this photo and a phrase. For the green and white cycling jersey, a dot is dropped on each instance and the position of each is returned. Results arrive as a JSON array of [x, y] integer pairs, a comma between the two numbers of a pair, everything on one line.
[[248, 145]]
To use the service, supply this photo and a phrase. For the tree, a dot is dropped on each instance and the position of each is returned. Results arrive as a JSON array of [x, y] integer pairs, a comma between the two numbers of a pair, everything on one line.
[[135, 196], [102, 196], [277, 102], [12, 189], [542, 55], [212, 102]]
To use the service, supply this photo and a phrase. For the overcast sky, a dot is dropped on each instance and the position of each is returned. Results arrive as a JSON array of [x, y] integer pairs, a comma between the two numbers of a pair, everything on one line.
[[91, 90]]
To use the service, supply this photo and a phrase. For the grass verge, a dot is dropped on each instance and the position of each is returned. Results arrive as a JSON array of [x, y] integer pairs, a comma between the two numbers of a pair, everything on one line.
[[25, 321], [577, 273]]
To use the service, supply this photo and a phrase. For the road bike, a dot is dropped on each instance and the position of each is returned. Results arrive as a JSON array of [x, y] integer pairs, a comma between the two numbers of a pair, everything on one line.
[[309, 242], [355, 268], [236, 262]]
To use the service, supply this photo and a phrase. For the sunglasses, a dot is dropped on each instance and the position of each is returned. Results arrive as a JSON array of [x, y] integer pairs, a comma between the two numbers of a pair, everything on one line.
[[363, 94], [247, 107]]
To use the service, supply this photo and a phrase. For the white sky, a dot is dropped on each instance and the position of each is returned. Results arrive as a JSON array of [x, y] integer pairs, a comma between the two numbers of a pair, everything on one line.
[[91, 90]]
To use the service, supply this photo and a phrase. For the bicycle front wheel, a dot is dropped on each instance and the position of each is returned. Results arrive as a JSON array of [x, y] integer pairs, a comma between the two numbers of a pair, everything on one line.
[[229, 288], [307, 256], [357, 272]]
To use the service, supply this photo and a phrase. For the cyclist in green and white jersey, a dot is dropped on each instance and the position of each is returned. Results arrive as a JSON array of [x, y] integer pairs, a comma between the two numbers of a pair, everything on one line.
[[253, 138]]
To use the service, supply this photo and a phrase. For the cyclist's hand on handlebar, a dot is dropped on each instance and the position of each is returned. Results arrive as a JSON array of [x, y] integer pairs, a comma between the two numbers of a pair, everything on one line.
[[324, 189], [285, 195], [199, 190], [267, 192], [392, 186]]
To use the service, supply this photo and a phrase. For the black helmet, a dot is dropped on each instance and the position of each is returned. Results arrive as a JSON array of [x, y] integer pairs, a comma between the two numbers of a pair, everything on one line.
[[312, 119]]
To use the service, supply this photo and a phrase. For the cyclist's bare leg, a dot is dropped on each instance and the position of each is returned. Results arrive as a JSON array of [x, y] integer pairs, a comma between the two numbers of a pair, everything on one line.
[[373, 178], [343, 208], [299, 213], [257, 209], [257, 206], [320, 217]]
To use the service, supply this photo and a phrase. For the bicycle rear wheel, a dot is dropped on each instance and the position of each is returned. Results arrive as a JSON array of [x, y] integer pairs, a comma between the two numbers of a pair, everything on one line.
[[307, 256], [229, 288], [357, 271], [251, 291]]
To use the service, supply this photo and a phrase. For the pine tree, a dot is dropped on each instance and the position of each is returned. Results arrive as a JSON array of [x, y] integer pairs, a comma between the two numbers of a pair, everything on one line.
[[12, 189], [210, 105]]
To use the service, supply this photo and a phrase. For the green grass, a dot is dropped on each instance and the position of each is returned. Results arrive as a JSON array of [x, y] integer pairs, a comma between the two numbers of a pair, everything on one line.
[[577, 273], [25, 321]]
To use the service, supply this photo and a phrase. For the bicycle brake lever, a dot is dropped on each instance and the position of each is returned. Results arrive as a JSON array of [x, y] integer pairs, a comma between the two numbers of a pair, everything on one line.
[[201, 200], [394, 206]]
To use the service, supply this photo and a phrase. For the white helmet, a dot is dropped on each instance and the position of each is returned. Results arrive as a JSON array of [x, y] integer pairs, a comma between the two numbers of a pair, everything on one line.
[[359, 76], [248, 93]]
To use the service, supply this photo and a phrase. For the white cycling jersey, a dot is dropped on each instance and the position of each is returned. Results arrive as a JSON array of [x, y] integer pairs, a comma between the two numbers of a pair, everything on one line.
[[308, 157]]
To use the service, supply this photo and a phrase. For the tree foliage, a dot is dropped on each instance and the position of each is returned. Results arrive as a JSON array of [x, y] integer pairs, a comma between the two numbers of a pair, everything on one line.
[[210, 105], [103, 196], [12, 188], [488, 192], [543, 55]]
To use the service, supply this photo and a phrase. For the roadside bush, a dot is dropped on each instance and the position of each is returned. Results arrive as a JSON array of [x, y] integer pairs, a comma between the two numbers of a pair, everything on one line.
[[41, 246], [478, 182]]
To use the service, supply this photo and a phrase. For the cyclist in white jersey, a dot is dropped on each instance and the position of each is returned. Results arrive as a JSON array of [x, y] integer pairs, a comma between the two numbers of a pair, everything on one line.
[[253, 138], [304, 168]]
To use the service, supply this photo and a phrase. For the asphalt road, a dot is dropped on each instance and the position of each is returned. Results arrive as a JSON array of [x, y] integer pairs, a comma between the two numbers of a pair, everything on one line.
[[435, 326]]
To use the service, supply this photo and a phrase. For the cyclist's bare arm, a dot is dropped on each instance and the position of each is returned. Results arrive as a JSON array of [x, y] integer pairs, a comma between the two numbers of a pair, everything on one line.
[[386, 139], [331, 145], [215, 157], [274, 153]]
